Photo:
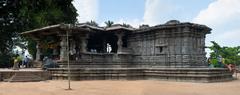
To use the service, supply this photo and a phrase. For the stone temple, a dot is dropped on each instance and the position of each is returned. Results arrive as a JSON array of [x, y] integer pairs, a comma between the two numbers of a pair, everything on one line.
[[170, 51]]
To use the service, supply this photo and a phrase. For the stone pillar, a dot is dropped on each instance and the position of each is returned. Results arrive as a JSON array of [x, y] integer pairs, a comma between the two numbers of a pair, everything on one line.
[[119, 42], [72, 44], [84, 43], [55, 52], [104, 45], [38, 53], [63, 50]]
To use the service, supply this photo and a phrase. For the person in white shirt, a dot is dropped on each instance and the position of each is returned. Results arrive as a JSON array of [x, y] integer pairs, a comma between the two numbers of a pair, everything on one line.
[[109, 48]]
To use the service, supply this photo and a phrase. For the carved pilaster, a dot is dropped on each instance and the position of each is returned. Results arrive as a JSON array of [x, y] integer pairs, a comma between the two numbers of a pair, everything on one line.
[[38, 53], [119, 42], [84, 42], [63, 51]]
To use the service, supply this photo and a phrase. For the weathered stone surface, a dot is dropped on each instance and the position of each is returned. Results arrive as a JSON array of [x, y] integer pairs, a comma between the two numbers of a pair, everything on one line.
[[170, 45], [175, 74], [29, 75]]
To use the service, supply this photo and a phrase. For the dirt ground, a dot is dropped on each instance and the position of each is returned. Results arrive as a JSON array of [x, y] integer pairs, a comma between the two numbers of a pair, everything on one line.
[[120, 87]]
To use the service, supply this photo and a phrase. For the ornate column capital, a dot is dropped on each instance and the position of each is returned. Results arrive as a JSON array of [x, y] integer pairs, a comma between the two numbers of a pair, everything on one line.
[[119, 42]]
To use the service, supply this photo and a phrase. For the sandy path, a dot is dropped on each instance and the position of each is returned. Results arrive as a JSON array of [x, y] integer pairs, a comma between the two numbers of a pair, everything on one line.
[[120, 87]]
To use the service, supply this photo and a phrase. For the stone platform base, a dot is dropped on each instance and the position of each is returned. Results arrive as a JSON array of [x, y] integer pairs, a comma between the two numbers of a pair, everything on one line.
[[174, 74], [23, 75]]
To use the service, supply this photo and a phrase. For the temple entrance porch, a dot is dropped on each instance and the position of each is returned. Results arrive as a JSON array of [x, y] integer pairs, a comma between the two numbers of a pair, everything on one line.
[[52, 42]]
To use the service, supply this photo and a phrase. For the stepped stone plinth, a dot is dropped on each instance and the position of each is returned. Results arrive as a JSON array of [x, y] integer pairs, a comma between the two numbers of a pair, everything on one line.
[[171, 51], [23, 75], [174, 74]]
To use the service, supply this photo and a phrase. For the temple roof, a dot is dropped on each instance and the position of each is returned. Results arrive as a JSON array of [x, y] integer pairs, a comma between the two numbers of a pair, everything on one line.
[[85, 25], [174, 24], [119, 27], [42, 29], [76, 27], [53, 29]]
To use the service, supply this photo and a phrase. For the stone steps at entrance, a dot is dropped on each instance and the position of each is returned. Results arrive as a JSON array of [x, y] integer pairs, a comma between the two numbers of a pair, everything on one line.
[[176, 74], [23, 75]]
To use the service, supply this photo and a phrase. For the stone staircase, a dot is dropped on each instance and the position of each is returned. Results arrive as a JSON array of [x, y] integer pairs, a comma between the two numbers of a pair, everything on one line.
[[24, 77], [175, 74]]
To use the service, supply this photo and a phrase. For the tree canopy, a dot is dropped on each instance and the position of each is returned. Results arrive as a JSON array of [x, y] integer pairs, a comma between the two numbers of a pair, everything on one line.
[[8, 28], [22, 15], [231, 55]]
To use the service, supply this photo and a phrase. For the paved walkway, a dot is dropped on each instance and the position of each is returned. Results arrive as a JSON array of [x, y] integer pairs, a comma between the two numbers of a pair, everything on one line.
[[118, 87]]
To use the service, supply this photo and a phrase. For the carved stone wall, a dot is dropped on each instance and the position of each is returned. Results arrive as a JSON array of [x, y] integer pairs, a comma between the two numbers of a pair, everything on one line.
[[173, 47], [167, 45]]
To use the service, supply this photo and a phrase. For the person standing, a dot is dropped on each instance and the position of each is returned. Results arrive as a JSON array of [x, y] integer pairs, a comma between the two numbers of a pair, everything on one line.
[[109, 48], [26, 62], [20, 60], [220, 60], [16, 63]]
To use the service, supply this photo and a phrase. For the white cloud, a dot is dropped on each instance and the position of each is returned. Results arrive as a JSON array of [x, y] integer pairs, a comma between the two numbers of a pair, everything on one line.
[[223, 17], [219, 12], [87, 9], [157, 11], [228, 38], [151, 11]]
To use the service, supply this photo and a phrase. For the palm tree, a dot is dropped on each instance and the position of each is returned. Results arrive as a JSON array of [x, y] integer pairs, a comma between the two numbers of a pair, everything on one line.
[[109, 23], [93, 23]]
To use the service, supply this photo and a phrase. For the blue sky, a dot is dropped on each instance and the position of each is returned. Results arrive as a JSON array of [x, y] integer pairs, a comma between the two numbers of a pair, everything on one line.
[[120, 9], [223, 16]]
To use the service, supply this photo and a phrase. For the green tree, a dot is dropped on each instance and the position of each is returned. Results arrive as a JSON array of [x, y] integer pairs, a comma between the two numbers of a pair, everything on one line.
[[22, 15], [8, 28], [39, 13], [230, 54]]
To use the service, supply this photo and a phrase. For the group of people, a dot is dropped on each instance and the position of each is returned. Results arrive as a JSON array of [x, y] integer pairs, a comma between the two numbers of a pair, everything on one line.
[[74, 53], [220, 62], [48, 62], [20, 62]]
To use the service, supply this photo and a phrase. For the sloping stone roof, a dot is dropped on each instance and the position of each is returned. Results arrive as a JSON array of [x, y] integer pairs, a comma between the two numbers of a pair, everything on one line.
[[175, 24], [80, 26], [88, 27], [119, 26], [42, 29]]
